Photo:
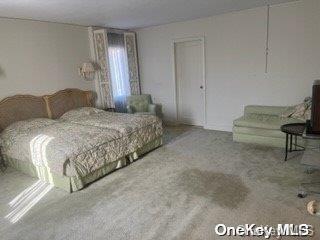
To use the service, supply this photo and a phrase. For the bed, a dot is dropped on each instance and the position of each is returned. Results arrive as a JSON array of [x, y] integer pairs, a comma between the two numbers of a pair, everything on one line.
[[139, 129], [62, 139]]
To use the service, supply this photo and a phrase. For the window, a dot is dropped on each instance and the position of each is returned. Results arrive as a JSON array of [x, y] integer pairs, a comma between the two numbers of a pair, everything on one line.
[[119, 71]]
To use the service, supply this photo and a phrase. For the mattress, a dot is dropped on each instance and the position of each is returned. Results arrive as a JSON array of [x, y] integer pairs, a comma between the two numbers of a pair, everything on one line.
[[139, 129], [66, 148], [80, 147]]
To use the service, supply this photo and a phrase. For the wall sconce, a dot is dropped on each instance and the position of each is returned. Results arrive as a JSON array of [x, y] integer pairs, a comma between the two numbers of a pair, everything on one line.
[[87, 71]]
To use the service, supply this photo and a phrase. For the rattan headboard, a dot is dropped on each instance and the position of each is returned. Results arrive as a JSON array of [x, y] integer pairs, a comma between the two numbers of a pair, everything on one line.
[[66, 100], [23, 107]]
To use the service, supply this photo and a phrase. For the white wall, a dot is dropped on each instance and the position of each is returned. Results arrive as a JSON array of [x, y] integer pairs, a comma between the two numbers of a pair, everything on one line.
[[235, 59], [40, 57]]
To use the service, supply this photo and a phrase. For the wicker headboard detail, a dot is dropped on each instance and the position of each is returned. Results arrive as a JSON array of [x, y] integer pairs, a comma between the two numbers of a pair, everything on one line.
[[23, 107], [66, 100]]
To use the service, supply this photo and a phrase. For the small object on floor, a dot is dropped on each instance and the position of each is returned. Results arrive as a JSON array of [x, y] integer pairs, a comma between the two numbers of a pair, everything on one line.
[[308, 188], [313, 208], [302, 194]]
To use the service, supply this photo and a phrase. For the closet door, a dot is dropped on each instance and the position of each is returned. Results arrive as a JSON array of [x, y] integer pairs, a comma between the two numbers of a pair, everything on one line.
[[101, 53], [189, 66], [131, 49]]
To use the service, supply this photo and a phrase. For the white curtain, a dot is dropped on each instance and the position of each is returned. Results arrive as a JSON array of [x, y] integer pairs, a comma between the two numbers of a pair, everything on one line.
[[119, 70]]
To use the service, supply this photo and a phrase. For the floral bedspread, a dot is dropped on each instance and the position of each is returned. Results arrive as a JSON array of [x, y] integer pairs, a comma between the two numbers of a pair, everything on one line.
[[140, 129], [81, 142]]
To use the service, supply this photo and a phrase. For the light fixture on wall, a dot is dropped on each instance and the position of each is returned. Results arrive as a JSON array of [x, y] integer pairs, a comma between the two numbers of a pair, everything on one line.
[[87, 71]]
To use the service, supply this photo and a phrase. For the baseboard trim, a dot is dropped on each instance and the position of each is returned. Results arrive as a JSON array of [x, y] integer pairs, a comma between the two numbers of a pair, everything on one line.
[[217, 127], [170, 123]]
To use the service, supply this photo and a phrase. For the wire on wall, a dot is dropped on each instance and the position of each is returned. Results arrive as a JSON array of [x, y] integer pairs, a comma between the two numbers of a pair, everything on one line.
[[267, 40]]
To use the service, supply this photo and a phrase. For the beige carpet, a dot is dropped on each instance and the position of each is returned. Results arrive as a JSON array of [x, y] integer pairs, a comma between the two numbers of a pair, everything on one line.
[[198, 179]]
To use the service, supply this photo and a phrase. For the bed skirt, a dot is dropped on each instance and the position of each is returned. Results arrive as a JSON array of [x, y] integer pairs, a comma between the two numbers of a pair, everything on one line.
[[76, 183]]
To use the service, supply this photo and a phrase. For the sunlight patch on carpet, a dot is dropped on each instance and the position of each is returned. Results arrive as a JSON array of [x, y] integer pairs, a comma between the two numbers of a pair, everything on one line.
[[22, 203]]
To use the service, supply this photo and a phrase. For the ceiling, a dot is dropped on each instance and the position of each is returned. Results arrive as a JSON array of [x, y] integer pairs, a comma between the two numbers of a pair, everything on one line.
[[123, 13]]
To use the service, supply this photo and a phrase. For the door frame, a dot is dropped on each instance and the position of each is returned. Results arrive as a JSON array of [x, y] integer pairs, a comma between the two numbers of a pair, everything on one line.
[[204, 82]]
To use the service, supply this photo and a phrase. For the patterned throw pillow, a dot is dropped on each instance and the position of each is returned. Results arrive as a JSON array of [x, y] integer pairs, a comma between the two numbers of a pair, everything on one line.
[[288, 112], [299, 112], [307, 114]]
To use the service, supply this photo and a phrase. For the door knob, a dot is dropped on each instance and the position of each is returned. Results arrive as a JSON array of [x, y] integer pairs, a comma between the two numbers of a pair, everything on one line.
[[201, 87]]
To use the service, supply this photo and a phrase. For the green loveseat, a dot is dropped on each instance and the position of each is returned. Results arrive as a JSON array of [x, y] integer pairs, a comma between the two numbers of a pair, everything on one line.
[[261, 125]]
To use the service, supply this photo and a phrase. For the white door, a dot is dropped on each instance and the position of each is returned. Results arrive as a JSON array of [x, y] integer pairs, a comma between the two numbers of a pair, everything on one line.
[[189, 61]]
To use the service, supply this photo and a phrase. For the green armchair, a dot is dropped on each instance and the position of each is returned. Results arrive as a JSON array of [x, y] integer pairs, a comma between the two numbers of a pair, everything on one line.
[[142, 104]]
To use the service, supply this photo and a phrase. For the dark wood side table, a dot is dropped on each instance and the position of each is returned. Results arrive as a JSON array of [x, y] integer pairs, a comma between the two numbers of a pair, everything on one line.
[[296, 130]]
